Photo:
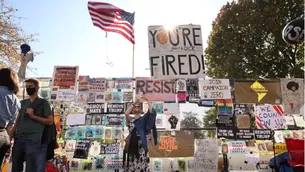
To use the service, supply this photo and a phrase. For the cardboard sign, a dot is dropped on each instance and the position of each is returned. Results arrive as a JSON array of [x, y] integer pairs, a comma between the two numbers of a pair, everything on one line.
[[215, 89], [183, 145], [270, 117], [115, 108], [65, 76], [258, 92], [206, 155], [176, 53], [262, 134], [225, 133], [95, 108], [156, 90], [167, 143]]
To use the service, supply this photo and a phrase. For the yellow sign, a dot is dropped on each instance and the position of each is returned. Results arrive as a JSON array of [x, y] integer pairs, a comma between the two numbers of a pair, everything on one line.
[[280, 148], [259, 89]]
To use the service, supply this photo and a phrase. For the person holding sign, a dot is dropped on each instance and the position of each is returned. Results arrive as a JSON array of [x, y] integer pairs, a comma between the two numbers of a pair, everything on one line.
[[136, 147]]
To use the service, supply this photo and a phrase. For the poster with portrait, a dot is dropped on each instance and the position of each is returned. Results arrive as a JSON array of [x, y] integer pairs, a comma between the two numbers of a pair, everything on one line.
[[181, 85], [100, 163], [108, 133], [70, 145], [127, 96], [157, 165], [292, 90], [158, 107]]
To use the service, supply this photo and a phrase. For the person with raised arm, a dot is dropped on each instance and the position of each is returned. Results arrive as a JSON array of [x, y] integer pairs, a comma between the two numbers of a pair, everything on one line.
[[136, 157]]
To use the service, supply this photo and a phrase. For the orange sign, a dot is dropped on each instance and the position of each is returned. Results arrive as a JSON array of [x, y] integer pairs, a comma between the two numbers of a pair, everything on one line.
[[167, 143]]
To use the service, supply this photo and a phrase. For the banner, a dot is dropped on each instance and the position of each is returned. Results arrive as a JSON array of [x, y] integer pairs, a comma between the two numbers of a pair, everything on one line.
[[293, 95], [112, 148], [156, 90], [262, 134], [215, 89], [258, 92], [270, 117], [176, 53], [115, 108], [95, 108], [65, 76], [244, 134]]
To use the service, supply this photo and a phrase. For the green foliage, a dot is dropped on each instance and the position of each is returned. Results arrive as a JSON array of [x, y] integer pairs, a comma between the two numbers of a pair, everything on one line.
[[246, 41], [209, 121], [192, 122]]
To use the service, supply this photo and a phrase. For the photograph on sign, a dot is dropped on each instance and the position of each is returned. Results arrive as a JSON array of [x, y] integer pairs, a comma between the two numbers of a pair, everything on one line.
[[176, 53], [215, 89]]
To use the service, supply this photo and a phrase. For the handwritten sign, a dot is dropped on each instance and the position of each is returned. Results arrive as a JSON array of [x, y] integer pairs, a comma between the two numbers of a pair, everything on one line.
[[215, 89], [237, 147], [244, 134], [65, 76], [65, 95], [167, 143], [262, 134], [115, 108], [206, 155], [82, 149], [95, 108], [270, 117], [225, 133], [177, 53], [156, 90], [110, 148]]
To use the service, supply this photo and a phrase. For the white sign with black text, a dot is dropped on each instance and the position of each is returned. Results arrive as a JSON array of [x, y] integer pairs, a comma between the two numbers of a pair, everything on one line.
[[215, 89], [176, 52]]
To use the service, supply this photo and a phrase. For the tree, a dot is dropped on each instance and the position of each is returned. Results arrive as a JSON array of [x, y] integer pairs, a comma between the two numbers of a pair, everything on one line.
[[246, 41], [11, 37], [191, 122], [209, 121]]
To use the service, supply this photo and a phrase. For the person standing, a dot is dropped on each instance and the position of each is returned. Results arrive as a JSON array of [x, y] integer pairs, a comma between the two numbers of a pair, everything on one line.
[[136, 146], [34, 115], [9, 107]]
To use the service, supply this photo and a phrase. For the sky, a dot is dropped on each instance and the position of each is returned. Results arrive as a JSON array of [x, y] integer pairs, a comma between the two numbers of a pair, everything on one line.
[[68, 37]]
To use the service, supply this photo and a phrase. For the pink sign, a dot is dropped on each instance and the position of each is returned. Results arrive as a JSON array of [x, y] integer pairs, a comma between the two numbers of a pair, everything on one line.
[[156, 90]]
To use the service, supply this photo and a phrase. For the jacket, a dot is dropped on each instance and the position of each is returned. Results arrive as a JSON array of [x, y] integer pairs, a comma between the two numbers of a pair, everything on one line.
[[144, 126]]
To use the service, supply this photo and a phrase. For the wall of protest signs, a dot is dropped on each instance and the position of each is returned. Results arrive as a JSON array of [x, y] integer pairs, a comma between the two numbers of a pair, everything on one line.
[[176, 53], [100, 120]]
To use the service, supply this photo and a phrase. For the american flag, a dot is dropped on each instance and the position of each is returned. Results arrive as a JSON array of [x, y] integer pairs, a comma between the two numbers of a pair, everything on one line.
[[112, 19]]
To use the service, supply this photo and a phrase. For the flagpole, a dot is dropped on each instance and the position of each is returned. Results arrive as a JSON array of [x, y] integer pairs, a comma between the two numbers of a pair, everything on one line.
[[132, 70]]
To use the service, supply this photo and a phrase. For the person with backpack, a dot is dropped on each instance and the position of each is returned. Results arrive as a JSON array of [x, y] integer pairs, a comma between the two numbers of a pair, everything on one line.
[[34, 115], [135, 156]]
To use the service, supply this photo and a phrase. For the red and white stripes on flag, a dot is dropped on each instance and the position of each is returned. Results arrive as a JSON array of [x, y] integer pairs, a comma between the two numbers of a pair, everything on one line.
[[112, 19]]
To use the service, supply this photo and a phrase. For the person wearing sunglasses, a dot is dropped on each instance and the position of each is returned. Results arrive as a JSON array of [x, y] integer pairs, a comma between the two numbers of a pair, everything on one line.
[[139, 127]]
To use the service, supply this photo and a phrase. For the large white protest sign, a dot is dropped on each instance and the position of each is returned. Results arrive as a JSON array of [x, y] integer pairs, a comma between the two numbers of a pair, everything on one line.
[[215, 89], [176, 53], [270, 117], [206, 155]]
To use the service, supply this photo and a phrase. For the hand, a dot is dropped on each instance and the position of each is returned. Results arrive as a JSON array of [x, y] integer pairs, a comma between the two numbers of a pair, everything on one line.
[[30, 112]]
